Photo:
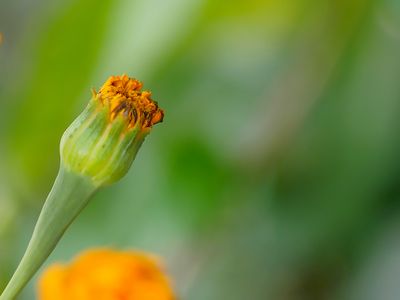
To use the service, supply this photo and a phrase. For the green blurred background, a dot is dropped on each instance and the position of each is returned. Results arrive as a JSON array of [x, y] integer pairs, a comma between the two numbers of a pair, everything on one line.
[[276, 173]]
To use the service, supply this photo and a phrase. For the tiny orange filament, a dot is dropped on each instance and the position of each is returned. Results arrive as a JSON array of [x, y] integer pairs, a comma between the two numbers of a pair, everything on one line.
[[125, 97]]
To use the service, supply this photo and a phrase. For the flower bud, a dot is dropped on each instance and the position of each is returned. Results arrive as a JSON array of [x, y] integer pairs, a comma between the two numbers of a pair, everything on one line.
[[97, 149], [103, 140]]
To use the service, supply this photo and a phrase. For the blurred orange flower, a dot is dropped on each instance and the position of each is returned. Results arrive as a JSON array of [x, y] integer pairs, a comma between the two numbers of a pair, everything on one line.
[[105, 274]]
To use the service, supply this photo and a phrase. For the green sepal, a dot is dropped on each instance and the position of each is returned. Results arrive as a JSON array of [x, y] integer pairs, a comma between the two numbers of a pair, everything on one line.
[[99, 147]]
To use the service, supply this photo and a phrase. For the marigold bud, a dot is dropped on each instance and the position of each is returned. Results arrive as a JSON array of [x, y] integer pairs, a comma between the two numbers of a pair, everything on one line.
[[97, 149], [104, 139]]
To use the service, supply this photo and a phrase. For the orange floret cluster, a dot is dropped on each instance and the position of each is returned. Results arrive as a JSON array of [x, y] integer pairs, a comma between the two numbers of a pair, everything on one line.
[[125, 97], [105, 274]]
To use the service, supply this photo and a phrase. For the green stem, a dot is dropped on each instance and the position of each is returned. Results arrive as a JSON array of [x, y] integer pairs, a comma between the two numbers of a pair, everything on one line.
[[69, 195]]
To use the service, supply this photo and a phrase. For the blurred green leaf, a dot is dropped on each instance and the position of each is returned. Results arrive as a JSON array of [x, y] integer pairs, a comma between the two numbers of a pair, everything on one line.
[[64, 55]]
